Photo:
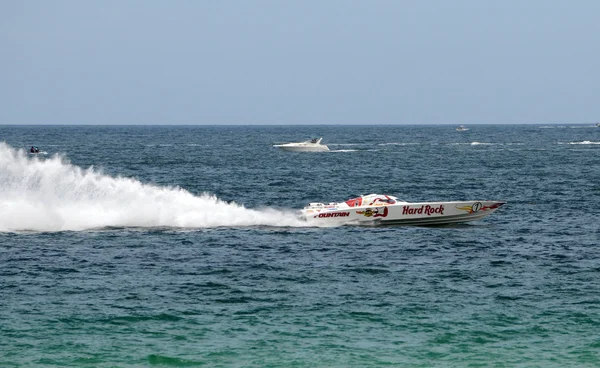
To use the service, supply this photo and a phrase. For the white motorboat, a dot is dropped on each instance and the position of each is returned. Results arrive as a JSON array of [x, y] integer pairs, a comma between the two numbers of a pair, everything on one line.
[[313, 145], [598, 124], [462, 128], [378, 209]]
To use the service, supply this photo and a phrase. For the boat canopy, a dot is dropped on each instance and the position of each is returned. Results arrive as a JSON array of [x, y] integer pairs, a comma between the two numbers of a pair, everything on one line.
[[372, 200]]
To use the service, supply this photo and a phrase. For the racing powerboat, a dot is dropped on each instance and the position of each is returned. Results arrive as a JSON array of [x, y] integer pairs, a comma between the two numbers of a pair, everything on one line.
[[379, 209], [313, 145]]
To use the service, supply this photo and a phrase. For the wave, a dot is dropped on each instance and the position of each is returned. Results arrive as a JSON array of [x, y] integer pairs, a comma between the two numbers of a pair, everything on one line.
[[494, 144], [477, 144], [347, 144], [51, 194], [584, 142]]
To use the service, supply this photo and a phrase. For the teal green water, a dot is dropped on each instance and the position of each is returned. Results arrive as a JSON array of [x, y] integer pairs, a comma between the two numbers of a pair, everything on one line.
[[136, 263]]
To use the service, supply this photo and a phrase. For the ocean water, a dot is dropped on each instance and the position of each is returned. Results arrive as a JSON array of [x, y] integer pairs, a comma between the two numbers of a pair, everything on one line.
[[136, 246]]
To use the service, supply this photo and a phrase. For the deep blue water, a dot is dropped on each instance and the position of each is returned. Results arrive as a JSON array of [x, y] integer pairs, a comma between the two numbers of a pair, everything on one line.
[[178, 246]]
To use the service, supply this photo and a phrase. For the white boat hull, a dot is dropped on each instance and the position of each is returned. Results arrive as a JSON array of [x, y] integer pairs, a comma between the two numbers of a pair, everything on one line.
[[308, 146], [320, 148], [401, 213]]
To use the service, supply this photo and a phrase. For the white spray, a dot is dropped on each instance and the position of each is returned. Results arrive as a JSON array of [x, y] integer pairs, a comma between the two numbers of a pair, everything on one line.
[[54, 195]]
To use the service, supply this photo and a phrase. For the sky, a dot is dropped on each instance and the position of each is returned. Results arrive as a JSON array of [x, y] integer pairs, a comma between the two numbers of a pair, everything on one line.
[[293, 62]]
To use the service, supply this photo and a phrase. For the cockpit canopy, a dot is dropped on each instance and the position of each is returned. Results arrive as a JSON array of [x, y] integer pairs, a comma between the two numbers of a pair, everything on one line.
[[371, 200]]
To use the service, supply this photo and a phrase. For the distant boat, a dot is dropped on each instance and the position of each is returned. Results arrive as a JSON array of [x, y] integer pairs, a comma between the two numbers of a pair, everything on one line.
[[598, 125], [313, 145], [462, 128]]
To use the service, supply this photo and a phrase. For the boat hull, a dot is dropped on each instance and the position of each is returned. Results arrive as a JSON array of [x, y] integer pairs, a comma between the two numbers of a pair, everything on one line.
[[417, 214], [316, 148]]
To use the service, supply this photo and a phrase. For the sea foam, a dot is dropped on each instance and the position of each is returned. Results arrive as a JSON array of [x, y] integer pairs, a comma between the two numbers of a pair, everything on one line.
[[51, 194]]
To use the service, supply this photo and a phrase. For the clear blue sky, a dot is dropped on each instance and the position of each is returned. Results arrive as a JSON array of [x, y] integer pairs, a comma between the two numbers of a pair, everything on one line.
[[299, 62]]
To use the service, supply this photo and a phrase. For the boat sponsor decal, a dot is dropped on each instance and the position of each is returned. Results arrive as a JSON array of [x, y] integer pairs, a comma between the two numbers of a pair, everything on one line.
[[356, 202], [374, 212], [337, 214], [478, 206], [424, 209]]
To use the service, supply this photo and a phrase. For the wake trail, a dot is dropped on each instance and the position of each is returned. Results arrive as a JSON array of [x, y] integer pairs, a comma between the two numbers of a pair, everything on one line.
[[51, 194]]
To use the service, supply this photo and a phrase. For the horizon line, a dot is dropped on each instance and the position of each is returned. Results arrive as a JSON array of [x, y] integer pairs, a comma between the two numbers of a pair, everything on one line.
[[289, 125]]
